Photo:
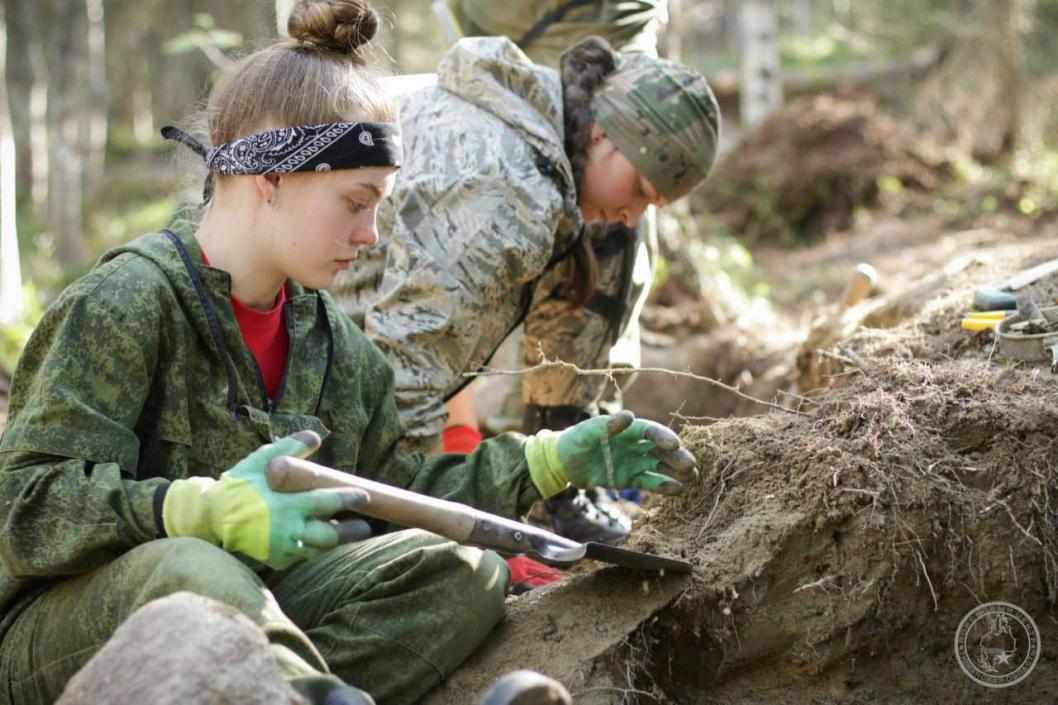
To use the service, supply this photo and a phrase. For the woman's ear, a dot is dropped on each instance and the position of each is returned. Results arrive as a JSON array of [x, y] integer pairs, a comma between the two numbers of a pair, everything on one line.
[[268, 186], [597, 133]]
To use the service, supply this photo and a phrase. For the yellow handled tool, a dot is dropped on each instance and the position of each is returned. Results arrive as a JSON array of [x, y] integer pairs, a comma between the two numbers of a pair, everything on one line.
[[983, 320]]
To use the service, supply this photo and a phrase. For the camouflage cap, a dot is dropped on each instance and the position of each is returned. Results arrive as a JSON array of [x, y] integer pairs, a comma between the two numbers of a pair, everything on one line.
[[663, 118]]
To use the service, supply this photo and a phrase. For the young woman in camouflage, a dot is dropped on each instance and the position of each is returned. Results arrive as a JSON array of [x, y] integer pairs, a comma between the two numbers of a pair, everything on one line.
[[493, 237], [604, 332], [156, 388]]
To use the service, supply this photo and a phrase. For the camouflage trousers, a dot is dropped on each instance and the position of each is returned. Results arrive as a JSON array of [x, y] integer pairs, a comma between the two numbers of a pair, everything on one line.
[[392, 615]]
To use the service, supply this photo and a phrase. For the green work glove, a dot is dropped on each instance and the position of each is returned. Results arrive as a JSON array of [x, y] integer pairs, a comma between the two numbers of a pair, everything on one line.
[[615, 452], [241, 513]]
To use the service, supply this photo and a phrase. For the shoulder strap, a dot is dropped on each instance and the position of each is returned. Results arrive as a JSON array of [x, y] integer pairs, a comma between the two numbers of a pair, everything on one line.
[[211, 317]]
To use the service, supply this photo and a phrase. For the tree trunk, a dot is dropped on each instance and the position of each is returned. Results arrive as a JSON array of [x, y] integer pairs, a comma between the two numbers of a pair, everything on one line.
[[67, 102], [1007, 18], [129, 35], [10, 268], [801, 11], [176, 80], [976, 96], [94, 120], [673, 48], [27, 99], [761, 80], [283, 8]]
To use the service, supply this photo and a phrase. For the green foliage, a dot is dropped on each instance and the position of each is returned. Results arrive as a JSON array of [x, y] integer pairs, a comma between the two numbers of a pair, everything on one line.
[[133, 219], [891, 185], [205, 37], [818, 50], [1037, 170], [729, 265], [1042, 41], [1028, 184], [13, 336], [711, 261]]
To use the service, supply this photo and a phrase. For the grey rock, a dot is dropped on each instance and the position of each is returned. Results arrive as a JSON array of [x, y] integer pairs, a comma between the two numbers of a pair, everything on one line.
[[185, 649]]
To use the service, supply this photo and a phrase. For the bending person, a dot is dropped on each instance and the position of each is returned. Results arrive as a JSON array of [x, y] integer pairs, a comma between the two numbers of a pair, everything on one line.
[[493, 236], [604, 333]]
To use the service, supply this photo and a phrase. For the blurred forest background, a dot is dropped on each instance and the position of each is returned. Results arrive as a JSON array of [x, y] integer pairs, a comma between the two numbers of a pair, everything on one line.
[[833, 110]]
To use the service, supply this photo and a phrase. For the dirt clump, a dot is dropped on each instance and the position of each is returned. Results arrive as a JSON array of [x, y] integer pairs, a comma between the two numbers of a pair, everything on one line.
[[837, 552], [806, 171]]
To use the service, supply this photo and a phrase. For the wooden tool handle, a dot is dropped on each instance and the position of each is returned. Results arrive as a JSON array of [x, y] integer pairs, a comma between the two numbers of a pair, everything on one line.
[[449, 519], [859, 285]]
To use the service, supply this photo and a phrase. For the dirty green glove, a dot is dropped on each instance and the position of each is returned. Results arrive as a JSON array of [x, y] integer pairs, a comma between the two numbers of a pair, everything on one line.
[[243, 514], [615, 452]]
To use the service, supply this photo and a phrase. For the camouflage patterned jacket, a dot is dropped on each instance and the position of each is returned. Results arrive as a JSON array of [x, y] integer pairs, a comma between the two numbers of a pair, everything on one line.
[[126, 384], [628, 25], [486, 202]]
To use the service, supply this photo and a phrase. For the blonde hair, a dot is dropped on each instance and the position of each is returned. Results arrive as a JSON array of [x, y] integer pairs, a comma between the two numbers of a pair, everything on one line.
[[319, 75]]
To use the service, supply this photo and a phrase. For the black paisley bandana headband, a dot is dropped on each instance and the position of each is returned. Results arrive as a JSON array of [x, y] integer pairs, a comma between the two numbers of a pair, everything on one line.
[[336, 145]]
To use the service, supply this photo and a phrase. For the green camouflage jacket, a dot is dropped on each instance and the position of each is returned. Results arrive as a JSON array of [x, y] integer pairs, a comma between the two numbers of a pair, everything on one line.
[[628, 25], [485, 202], [127, 383]]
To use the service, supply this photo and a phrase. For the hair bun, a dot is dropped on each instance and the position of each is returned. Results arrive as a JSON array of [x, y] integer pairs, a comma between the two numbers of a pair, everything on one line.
[[341, 26]]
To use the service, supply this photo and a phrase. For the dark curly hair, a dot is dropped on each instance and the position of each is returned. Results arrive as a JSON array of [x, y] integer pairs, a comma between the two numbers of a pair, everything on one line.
[[584, 67]]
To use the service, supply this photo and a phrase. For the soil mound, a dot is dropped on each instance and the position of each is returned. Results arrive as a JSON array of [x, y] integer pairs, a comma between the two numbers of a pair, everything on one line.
[[837, 553], [806, 171]]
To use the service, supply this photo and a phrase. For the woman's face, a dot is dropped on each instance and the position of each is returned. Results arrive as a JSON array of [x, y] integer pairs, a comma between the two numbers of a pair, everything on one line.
[[611, 190], [322, 219]]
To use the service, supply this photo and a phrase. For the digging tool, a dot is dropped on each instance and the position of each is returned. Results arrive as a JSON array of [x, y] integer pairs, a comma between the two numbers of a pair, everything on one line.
[[983, 320], [1002, 295], [459, 522], [863, 279], [1030, 340]]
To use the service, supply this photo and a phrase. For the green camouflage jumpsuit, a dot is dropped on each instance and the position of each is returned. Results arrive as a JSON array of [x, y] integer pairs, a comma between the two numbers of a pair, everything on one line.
[[126, 384]]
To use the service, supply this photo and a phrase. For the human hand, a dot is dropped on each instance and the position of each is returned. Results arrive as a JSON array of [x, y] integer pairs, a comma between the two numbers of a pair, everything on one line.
[[243, 514], [615, 452]]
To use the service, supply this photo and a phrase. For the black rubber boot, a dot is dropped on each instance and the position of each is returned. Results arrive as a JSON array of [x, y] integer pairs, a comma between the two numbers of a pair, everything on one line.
[[527, 688], [575, 515]]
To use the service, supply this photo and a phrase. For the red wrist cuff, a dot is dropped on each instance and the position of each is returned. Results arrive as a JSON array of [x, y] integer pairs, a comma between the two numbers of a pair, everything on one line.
[[460, 439]]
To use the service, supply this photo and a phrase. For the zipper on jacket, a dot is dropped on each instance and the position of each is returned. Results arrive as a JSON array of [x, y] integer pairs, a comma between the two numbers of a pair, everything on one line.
[[325, 316], [260, 382], [520, 319], [288, 321]]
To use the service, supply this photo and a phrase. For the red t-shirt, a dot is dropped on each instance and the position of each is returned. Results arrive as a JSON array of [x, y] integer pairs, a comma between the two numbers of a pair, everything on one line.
[[265, 334]]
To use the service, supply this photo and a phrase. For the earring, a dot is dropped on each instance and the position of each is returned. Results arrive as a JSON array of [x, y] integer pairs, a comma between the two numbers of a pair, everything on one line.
[[272, 200]]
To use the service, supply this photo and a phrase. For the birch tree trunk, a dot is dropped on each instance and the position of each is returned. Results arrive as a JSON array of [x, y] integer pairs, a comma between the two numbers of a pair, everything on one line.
[[283, 8], [761, 89], [27, 99], [673, 49], [801, 12], [11, 303], [93, 130], [67, 100]]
